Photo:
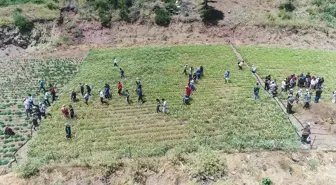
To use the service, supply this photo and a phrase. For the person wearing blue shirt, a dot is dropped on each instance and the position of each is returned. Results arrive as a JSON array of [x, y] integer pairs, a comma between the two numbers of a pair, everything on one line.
[[227, 76]]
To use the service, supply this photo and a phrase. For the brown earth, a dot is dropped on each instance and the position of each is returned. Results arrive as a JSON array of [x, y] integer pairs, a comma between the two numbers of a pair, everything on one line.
[[313, 168]]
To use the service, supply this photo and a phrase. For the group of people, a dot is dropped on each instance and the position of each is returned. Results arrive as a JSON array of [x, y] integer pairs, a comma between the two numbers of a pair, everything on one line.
[[193, 77]]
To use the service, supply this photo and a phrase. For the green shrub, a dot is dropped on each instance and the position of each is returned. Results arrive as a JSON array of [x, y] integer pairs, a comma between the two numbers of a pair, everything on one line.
[[29, 168], [266, 181], [124, 15], [52, 6], [171, 8], [318, 2], [288, 6], [22, 22], [208, 164], [105, 18], [162, 17], [284, 15]]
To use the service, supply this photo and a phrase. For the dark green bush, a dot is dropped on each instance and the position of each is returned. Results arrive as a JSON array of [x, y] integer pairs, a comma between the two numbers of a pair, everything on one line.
[[162, 17], [124, 15], [210, 15], [105, 18], [288, 6], [171, 8], [23, 23]]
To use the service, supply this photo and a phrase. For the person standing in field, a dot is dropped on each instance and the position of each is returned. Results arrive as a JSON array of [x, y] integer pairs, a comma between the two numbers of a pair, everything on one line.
[[186, 100], [122, 73], [164, 106], [27, 106], [140, 95], [188, 91], [283, 85], [88, 89], [46, 98], [67, 130], [318, 94], [73, 95], [307, 98], [115, 62], [42, 85], [202, 70], [34, 122], [43, 109], [298, 96], [53, 93], [305, 134], [227, 76], [107, 91], [65, 111], [72, 112], [253, 69], [308, 79], [127, 97], [192, 85], [198, 73], [101, 95], [81, 86], [290, 103], [334, 97], [191, 70], [267, 82], [240, 65], [185, 69], [31, 100], [158, 103], [256, 91], [86, 98], [120, 88]]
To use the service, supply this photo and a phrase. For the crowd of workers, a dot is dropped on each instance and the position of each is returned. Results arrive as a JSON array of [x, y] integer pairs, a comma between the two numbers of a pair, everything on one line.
[[311, 83]]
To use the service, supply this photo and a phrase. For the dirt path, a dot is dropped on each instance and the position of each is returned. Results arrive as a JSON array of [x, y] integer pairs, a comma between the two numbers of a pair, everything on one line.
[[322, 138]]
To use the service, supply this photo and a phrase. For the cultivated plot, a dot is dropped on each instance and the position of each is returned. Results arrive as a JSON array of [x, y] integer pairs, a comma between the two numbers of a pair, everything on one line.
[[17, 79], [223, 116]]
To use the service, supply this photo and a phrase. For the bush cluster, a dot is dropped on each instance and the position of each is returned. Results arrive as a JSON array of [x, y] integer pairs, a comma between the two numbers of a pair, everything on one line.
[[22, 22]]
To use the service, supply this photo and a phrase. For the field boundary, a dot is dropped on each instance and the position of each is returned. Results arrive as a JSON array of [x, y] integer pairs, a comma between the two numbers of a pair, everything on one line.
[[292, 119]]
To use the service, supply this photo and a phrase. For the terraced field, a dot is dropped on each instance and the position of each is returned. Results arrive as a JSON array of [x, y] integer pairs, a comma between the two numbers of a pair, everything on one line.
[[222, 116], [17, 79]]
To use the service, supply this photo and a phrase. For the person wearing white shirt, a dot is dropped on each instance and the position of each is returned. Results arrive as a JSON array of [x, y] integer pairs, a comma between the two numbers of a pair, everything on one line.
[[253, 69], [101, 95], [164, 105], [115, 62], [334, 97], [46, 98], [27, 106], [43, 109], [283, 85]]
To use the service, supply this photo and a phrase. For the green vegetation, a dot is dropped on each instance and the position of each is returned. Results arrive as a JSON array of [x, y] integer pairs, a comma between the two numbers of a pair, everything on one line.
[[162, 17], [221, 116], [281, 62], [17, 79], [266, 181], [325, 10]]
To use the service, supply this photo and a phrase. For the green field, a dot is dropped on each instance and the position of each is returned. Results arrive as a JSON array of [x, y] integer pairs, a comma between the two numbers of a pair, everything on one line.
[[221, 116], [17, 79], [281, 62]]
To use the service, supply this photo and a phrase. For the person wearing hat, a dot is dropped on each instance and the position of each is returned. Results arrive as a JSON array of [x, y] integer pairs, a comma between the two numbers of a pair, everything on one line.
[[65, 111], [88, 89], [305, 134], [185, 69], [67, 130], [290, 103], [81, 86], [227, 76], [307, 98]]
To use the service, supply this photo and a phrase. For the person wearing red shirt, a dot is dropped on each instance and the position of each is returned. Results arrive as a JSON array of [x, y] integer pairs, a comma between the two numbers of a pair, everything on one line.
[[188, 91], [119, 88], [65, 111], [53, 93]]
